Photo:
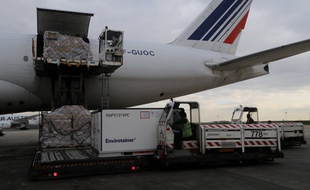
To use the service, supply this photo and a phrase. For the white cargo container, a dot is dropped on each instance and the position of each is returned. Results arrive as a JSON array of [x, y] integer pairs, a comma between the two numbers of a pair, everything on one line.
[[125, 132]]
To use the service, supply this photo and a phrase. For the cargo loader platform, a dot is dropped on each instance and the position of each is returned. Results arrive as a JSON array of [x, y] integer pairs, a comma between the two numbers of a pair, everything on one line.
[[53, 164], [62, 45]]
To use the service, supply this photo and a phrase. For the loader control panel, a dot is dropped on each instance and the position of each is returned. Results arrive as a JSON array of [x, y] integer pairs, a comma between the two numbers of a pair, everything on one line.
[[111, 46]]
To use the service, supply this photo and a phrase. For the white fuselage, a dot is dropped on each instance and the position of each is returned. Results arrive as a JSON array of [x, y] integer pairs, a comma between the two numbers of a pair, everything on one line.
[[150, 72]]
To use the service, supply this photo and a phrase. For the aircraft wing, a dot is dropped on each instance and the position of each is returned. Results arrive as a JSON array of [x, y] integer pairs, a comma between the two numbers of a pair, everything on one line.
[[263, 57]]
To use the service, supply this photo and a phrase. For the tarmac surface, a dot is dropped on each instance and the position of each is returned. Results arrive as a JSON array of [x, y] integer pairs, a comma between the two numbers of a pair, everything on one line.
[[292, 172]]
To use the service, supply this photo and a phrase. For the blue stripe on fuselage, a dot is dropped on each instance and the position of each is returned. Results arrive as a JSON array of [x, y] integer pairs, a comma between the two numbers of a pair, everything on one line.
[[211, 20]]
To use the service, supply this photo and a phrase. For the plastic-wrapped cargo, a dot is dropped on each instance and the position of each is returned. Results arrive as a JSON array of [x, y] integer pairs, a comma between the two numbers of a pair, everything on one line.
[[58, 46], [66, 127]]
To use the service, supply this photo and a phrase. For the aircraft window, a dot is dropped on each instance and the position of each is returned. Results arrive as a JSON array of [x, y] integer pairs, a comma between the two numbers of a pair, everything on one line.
[[25, 58]]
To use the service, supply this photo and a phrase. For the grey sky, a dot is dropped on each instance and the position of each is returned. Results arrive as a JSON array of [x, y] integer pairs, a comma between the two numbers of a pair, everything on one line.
[[270, 24]]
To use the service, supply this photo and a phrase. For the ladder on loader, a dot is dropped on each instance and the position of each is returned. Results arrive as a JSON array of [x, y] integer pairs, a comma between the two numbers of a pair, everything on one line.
[[111, 54]]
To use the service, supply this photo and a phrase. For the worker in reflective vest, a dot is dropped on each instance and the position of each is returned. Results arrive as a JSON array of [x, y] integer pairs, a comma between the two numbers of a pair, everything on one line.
[[187, 130], [182, 129]]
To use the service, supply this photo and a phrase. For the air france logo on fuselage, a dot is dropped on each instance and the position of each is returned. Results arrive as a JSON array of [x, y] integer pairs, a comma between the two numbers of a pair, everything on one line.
[[142, 52]]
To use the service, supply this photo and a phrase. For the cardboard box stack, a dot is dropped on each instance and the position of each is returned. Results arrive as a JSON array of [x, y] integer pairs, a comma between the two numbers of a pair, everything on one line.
[[57, 46]]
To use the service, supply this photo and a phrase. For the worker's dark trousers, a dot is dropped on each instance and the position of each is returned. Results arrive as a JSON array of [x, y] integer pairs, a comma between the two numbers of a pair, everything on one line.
[[178, 139]]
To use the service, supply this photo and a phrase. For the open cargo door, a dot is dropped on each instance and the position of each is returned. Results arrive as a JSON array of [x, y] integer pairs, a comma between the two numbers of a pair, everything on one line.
[[64, 22]]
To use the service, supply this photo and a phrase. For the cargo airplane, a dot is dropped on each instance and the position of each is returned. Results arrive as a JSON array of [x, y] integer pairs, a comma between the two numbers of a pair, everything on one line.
[[19, 120], [202, 57]]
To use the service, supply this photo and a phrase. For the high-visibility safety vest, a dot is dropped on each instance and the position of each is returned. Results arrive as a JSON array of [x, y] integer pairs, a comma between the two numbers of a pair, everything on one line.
[[187, 130]]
